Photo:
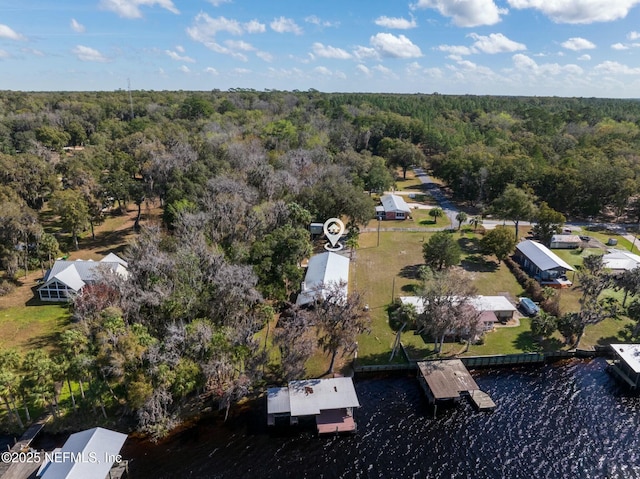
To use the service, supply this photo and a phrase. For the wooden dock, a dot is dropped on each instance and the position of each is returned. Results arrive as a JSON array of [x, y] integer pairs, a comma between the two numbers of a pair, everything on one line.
[[449, 380], [481, 400], [24, 469]]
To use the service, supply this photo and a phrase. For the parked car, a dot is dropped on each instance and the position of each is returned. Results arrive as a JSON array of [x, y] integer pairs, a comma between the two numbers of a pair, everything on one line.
[[528, 307]]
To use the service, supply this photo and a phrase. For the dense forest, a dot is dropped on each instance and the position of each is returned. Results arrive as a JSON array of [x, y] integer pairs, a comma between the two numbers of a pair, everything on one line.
[[239, 175]]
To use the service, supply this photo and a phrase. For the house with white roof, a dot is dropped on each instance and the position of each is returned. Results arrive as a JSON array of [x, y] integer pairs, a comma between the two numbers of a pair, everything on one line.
[[492, 308], [323, 269], [86, 454], [330, 401], [542, 264], [393, 208], [66, 278], [619, 260], [626, 364]]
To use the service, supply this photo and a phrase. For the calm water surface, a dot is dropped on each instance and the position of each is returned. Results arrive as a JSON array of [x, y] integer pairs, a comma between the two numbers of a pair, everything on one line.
[[569, 420]]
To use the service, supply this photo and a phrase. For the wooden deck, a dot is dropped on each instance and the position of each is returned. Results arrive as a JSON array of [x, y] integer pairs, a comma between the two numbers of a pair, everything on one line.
[[449, 379], [334, 421], [446, 378]]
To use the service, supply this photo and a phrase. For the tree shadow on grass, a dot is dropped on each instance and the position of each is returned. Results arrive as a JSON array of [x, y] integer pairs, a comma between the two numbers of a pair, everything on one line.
[[526, 342], [469, 245], [410, 271], [411, 289], [625, 335], [428, 223], [477, 264]]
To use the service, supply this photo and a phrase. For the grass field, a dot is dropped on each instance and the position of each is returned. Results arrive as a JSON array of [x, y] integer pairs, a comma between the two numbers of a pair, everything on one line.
[[30, 327]]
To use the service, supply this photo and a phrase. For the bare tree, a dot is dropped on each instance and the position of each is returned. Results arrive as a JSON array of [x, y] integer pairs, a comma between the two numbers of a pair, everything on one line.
[[446, 296], [294, 337], [340, 318]]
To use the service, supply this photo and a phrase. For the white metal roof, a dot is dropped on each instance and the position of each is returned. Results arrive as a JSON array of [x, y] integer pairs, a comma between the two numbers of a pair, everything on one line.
[[95, 443], [278, 400], [541, 256], [76, 273], [70, 277], [480, 303], [394, 203], [311, 396], [323, 269], [618, 260], [630, 354], [114, 258]]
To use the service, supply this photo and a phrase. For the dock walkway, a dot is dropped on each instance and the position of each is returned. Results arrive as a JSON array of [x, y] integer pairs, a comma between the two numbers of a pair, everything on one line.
[[23, 469], [481, 400]]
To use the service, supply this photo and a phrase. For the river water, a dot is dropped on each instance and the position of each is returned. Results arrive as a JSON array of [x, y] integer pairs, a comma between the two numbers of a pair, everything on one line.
[[568, 420]]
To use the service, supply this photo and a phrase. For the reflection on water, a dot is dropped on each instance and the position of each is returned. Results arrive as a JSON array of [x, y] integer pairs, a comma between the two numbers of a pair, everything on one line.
[[564, 421]]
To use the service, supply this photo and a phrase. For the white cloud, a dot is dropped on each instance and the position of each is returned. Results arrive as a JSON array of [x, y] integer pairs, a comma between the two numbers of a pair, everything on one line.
[[389, 45], [239, 45], [395, 22], [9, 33], [77, 27], [633, 35], [579, 11], [323, 71], [620, 46], [205, 28], [180, 58], [211, 71], [33, 51], [285, 25], [131, 8], [185, 69], [4, 54], [455, 51], [584, 58], [180, 48], [315, 20], [495, 43], [525, 64], [616, 68], [388, 72], [578, 43], [330, 52], [240, 71], [465, 13], [363, 53], [217, 3], [363, 69], [88, 54], [266, 56], [254, 26]]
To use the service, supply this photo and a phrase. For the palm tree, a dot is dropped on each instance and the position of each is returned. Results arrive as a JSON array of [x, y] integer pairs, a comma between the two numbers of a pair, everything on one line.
[[461, 217], [475, 221], [436, 213]]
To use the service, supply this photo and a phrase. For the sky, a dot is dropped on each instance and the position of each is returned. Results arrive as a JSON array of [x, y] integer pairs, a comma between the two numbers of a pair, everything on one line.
[[582, 48]]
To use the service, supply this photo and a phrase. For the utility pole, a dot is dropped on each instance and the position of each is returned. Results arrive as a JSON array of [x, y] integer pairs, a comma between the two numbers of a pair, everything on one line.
[[130, 99]]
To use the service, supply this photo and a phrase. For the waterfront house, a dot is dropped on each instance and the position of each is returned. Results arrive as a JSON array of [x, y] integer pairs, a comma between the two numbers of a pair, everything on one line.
[[66, 278], [492, 308], [322, 270], [393, 208], [626, 364], [86, 454], [542, 264], [329, 401], [564, 241]]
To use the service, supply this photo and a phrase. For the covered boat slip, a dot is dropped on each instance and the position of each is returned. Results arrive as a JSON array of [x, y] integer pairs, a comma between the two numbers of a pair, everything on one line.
[[330, 401], [448, 380]]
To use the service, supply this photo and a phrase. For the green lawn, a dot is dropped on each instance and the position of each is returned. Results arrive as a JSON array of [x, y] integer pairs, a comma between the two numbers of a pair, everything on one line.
[[29, 327]]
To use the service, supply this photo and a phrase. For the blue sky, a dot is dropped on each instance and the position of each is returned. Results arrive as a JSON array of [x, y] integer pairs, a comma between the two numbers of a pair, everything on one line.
[[505, 47]]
